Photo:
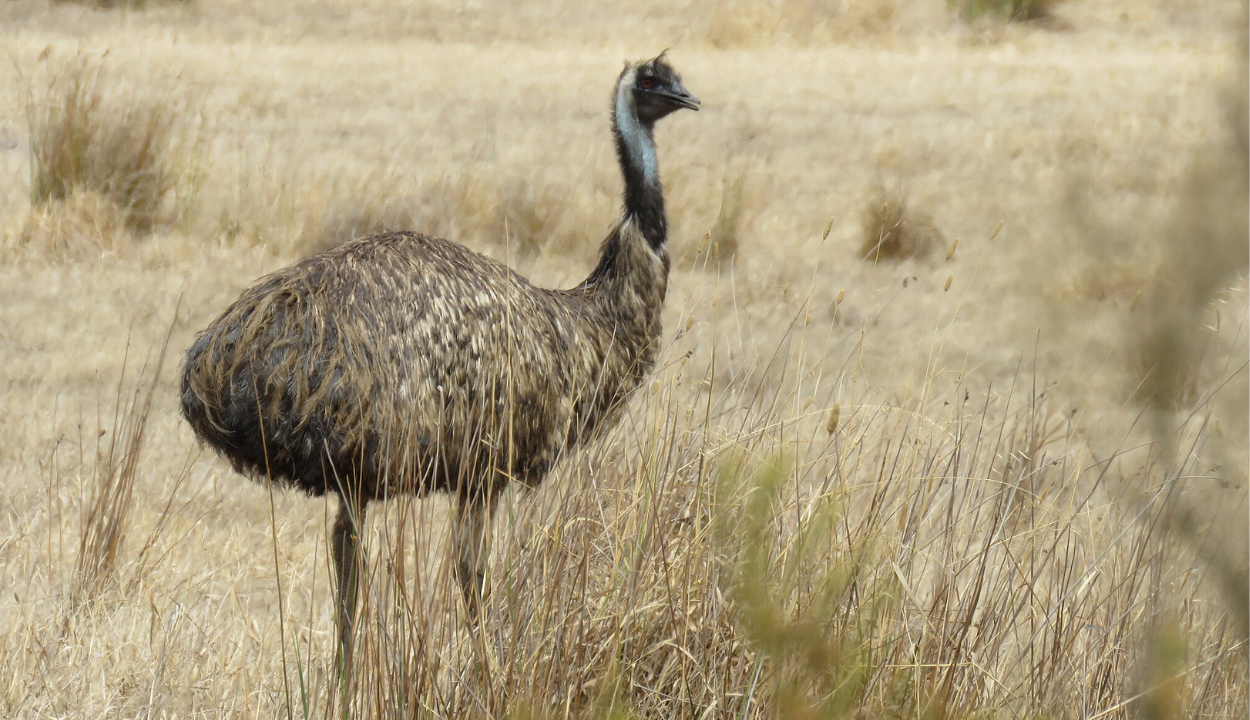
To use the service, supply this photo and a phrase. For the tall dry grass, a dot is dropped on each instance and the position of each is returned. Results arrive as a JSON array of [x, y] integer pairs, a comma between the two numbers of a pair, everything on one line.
[[117, 462], [86, 137], [961, 555], [730, 551]]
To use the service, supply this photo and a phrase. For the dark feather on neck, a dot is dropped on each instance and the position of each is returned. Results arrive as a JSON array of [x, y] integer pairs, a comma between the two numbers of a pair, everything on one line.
[[644, 193], [644, 198]]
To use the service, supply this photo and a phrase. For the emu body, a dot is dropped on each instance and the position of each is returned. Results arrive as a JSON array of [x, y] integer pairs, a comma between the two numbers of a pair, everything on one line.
[[407, 364], [416, 364]]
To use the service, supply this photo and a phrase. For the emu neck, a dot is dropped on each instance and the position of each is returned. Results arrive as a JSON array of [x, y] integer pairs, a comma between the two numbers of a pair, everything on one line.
[[635, 150], [631, 278]]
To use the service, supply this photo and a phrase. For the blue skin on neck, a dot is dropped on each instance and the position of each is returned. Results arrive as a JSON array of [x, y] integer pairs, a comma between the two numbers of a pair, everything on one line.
[[637, 139]]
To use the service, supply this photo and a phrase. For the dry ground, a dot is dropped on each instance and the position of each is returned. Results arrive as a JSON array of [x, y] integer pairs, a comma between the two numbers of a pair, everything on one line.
[[995, 525]]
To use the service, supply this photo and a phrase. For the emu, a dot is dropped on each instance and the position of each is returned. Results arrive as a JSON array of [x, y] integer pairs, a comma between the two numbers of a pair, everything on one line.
[[408, 364]]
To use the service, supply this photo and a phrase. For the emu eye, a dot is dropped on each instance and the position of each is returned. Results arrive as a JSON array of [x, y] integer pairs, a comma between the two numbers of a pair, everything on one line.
[[646, 84]]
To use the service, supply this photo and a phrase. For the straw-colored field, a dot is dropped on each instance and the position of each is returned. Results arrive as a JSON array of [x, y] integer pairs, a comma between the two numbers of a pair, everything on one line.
[[1005, 478]]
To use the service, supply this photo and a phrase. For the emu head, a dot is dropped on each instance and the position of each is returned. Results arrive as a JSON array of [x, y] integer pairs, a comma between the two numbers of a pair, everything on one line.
[[656, 89]]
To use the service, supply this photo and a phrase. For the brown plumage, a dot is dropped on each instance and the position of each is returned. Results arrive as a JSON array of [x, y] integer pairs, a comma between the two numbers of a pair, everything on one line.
[[407, 364]]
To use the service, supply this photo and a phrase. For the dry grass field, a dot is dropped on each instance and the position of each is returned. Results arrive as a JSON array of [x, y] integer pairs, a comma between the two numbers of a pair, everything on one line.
[[951, 420]]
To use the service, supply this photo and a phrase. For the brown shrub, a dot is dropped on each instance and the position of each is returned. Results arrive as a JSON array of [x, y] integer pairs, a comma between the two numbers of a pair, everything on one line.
[[127, 148], [1009, 10], [893, 231]]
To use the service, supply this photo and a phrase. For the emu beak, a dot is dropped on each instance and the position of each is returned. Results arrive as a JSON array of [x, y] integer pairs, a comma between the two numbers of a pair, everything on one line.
[[682, 97]]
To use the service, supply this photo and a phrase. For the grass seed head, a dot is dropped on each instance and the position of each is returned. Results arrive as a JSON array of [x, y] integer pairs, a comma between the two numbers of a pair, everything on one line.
[[835, 414]]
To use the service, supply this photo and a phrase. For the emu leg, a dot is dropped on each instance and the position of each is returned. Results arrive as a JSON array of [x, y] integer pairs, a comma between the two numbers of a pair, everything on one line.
[[472, 542], [346, 544]]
